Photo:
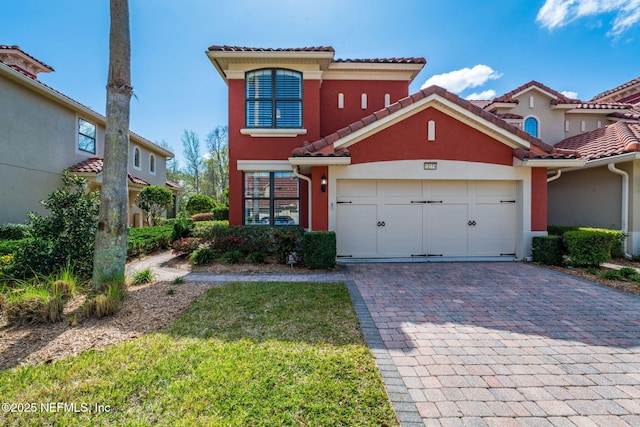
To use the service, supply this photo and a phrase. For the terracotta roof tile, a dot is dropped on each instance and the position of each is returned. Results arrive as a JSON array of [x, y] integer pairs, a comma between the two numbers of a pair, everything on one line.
[[173, 185], [225, 48], [408, 60], [324, 146], [5, 47], [617, 89], [508, 97], [618, 138], [95, 165], [630, 114], [599, 105]]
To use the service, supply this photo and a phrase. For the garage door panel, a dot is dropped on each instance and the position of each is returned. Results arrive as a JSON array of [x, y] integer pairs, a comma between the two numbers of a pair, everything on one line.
[[356, 230], [494, 234], [402, 230], [447, 232]]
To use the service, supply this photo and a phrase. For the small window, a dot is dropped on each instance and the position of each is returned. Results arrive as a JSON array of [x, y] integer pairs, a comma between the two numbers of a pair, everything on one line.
[[152, 164], [273, 99], [136, 157], [86, 136], [531, 126]]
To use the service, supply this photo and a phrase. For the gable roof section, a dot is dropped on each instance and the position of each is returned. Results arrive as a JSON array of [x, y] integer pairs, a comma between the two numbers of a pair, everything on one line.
[[556, 96], [525, 145], [612, 140], [94, 165], [622, 93]]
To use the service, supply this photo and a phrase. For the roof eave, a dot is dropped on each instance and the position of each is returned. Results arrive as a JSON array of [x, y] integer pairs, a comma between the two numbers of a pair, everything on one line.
[[320, 161], [549, 163]]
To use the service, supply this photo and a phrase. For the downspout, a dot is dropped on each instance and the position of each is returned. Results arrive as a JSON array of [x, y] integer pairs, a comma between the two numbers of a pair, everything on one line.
[[625, 204], [296, 172], [554, 177]]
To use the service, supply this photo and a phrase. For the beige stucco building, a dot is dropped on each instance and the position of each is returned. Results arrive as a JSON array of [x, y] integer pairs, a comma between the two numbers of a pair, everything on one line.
[[43, 132]]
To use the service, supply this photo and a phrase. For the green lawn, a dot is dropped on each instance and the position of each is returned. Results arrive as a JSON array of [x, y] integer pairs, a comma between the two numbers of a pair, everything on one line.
[[243, 354]]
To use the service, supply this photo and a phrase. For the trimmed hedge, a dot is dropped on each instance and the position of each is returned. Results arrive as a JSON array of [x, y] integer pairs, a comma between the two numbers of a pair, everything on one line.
[[221, 213], [11, 246], [149, 239], [591, 246], [547, 250], [13, 231], [319, 249]]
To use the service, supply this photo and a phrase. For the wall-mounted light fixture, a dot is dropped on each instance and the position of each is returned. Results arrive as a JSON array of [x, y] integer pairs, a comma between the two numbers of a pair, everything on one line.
[[323, 183]]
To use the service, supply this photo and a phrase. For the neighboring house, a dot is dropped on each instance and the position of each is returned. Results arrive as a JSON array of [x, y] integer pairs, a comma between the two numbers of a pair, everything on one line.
[[605, 192], [43, 132], [339, 145]]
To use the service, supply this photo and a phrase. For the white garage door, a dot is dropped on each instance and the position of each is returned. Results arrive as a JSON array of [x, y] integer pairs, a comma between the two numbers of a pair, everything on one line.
[[425, 218]]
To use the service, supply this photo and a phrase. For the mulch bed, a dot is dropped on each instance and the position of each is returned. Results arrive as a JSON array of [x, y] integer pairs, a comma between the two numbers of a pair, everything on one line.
[[621, 285]]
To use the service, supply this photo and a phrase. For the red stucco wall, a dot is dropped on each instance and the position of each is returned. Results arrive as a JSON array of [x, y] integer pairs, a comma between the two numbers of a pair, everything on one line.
[[320, 214], [539, 199], [407, 140], [333, 118]]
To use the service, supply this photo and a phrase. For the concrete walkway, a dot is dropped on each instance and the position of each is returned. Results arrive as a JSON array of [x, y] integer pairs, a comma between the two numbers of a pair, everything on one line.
[[493, 343]]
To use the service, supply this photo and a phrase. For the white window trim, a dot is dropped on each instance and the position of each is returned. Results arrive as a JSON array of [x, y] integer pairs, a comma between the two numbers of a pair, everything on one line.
[[133, 160], [77, 148], [155, 164], [273, 133]]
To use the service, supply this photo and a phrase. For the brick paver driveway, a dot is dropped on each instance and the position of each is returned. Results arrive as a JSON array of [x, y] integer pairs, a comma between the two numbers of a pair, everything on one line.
[[505, 344]]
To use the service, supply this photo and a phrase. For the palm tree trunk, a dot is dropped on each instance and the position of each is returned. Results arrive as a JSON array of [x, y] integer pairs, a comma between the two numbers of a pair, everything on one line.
[[111, 238]]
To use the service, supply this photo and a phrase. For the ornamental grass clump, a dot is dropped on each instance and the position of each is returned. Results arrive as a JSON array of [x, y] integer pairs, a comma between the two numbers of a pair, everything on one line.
[[33, 305], [106, 304]]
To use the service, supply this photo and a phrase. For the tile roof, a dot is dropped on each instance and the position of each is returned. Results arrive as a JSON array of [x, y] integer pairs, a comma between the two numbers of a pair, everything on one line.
[[617, 89], [225, 48], [174, 186], [618, 138], [630, 114], [95, 165], [324, 147], [408, 60], [6, 47], [560, 98]]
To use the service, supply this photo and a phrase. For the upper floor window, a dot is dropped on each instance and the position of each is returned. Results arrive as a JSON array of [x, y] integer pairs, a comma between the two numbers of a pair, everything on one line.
[[86, 136], [274, 99], [136, 157], [152, 163], [531, 126]]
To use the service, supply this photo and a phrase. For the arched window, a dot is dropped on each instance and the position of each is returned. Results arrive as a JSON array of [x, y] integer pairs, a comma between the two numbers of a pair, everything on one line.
[[531, 126], [136, 157], [152, 163], [273, 99]]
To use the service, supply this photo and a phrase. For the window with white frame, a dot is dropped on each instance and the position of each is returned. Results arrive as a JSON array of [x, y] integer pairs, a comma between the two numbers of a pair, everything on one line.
[[271, 198], [86, 136], [531, 126], [273, 99], [136, 157]]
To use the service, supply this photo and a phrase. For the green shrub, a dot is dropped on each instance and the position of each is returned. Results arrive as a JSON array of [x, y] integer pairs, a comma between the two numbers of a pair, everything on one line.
[[199, 203], [629, 273], [319, 249], [66, 236], [202, 256], [590, 246], [13, 231], [559, 230], [182, 227], [154, 201], [257, 257], [141, 277], [221, 213], [612, 275], [145, 240], [228, 244], [232, 257], [547, 250], [11, 246], [286, 240]]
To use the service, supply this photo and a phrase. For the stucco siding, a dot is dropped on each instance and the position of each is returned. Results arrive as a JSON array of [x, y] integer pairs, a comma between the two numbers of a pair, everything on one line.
[[590, 197]]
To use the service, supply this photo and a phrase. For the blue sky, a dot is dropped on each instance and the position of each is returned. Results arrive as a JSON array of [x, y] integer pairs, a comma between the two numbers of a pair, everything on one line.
[[475, 48]]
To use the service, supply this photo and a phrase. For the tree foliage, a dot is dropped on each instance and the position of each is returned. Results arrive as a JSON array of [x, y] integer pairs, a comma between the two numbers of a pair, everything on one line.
[[66, 236], [217, 163], [193, 160], [154, 200], [199, 203]]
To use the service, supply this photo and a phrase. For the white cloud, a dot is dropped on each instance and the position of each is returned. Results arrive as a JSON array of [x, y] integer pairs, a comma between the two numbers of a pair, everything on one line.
[[466, 78], [486, 94], [558, 13], [570, 94]]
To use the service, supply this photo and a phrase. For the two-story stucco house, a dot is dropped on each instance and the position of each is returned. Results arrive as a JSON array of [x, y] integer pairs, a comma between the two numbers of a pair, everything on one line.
[[43, 132], [605, 191], [339, 144]]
